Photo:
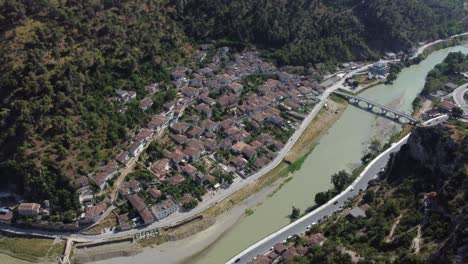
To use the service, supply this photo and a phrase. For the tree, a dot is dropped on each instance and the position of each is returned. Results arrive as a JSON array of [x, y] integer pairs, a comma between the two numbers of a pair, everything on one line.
[[391, 208], [369, 197], [375, 145], [321, 198], [68, 217], [340, 180], [190, 205], [457, 112], [342, 258], [296, 212]]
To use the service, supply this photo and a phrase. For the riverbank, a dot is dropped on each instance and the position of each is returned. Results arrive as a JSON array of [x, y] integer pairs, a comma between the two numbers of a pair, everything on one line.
[[7, 259], [304, 145], [427, 49], [362, 88], [273, 181], [27, 250]]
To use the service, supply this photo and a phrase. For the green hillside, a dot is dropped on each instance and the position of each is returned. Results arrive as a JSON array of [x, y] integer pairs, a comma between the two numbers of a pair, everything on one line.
[[303, 31], [60, 62]]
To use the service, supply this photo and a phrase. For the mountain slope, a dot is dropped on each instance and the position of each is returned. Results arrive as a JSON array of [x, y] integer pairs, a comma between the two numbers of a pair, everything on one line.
[[60, 62], [301, 31]]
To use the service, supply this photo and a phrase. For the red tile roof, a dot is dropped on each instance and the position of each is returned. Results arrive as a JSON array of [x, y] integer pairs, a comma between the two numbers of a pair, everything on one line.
[[176, 179]]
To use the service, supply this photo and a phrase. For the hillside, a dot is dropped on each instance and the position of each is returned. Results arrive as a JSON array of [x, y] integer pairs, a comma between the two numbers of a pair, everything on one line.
[[62, 61], [303, 31]]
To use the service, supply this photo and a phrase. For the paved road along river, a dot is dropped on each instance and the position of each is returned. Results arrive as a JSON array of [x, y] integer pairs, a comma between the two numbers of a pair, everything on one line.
[[341, 148]]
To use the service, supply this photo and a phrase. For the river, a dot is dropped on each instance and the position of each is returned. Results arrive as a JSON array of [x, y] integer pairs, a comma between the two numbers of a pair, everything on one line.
[[341, 148]]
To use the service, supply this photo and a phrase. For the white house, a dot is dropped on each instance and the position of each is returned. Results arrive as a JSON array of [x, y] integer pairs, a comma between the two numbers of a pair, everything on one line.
[[164, 208], [29, 209], [136, 148]]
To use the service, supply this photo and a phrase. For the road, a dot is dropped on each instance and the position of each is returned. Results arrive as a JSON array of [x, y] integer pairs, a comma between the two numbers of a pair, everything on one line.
[[458, 97], [422, 48], [300, 226], [216, 198]]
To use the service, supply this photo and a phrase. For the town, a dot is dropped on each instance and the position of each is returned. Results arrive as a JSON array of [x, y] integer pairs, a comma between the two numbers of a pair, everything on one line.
[[222, 119], [221, 122]]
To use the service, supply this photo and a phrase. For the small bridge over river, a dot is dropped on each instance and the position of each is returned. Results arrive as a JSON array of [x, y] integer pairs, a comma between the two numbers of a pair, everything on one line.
[[378, 109]]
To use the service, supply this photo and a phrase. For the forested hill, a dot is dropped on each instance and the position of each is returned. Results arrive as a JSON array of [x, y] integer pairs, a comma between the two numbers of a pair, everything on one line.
[[301, 31], [61, 61]]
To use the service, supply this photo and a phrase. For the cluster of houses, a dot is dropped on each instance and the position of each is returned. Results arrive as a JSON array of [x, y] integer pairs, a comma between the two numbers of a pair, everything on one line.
[[281, 253], [123, 97], [26, 210], [219, 117], [217, 112], [446, 104]]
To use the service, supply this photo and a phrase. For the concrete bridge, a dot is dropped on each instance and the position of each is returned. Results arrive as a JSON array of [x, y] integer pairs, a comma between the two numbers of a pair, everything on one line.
[[378, 109]]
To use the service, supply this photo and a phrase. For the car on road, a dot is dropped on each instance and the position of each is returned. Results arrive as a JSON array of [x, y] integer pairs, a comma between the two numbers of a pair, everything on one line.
[[237, 260], [335, 203]]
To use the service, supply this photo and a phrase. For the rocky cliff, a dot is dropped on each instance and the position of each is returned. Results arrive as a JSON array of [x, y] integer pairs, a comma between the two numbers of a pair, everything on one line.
[[435, 160]]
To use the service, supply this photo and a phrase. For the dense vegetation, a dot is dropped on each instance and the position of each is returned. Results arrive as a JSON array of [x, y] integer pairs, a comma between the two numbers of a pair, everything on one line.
[[450, 70], [434, 160], [302, 31], [61, 61]]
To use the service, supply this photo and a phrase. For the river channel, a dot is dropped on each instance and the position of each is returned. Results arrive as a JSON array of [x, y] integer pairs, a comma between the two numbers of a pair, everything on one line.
[[341, 148]]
